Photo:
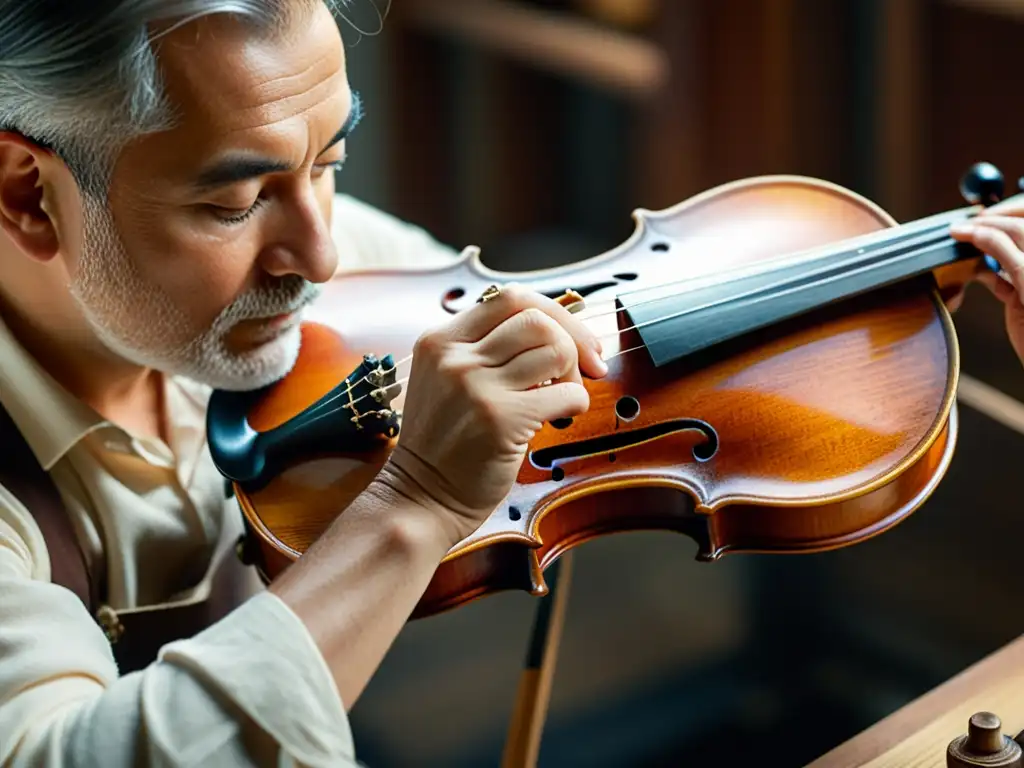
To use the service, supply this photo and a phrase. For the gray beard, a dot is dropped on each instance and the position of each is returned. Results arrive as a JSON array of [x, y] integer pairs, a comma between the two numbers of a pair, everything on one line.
[[140, 323]]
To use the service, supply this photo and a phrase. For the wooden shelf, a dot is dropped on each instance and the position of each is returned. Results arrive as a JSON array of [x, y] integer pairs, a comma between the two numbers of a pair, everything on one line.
[[559, 43], [1013, 9]]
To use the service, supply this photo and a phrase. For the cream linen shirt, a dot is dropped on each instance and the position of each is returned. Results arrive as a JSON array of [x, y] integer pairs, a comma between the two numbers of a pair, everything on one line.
[[158, 513]]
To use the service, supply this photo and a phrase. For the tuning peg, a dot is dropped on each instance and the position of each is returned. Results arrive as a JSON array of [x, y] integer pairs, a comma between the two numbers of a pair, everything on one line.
[[983, 183]]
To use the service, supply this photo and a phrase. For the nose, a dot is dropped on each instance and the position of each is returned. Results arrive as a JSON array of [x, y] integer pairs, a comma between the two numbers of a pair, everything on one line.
[[300, 242]]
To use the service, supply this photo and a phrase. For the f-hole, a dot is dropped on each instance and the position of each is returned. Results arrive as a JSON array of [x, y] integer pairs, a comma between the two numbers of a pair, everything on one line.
[[554, 458]]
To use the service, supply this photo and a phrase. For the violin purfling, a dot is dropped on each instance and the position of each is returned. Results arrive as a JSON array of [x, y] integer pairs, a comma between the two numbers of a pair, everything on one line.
[[782, 379]]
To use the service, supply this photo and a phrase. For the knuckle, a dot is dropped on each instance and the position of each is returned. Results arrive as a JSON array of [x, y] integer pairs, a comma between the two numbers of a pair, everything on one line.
[[429, 344], [456, 369], [537, 323], [563, 353], [579, 399], [487, 409], [573, 400], [515, 294], [985, 238], [1001, 241]]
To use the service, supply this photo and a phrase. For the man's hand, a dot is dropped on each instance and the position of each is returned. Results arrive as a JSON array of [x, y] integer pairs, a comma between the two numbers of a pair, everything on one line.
[[999, 232], [476, 397]]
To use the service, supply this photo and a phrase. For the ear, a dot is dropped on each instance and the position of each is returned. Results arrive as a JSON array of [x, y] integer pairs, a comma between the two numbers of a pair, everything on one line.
[[26, 212]]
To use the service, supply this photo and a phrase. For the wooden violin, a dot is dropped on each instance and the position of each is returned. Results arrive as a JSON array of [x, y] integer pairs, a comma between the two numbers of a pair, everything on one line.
[[782, 378]]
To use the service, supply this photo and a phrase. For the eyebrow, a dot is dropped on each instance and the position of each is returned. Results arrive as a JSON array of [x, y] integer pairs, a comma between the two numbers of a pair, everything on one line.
[[231, 170]]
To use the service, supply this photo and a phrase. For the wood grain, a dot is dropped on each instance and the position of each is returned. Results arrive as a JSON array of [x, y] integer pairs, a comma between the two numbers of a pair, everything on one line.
[[917, 735], [831, 428]]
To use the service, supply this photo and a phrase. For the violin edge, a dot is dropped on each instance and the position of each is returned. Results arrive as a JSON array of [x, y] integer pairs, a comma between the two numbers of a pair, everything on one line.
[[531, 557], [514, 564]]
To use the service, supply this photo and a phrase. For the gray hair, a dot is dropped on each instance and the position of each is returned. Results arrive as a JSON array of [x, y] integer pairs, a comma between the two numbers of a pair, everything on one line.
[[81, 77]]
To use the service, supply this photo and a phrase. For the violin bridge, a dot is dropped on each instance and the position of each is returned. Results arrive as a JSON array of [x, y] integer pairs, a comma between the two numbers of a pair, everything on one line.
[[572, 301]]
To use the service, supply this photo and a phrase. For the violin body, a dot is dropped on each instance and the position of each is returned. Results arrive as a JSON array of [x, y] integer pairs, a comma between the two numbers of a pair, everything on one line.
[[814, 433]]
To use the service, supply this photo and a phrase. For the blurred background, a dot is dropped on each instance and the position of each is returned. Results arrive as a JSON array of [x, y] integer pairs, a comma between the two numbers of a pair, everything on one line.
[[533, 128]]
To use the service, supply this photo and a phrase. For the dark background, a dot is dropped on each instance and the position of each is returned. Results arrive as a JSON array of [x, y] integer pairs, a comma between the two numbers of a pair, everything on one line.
[[536, 141]]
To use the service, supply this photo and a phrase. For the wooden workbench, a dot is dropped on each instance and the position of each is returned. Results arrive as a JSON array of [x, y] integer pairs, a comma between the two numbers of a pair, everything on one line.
[[917, 735]]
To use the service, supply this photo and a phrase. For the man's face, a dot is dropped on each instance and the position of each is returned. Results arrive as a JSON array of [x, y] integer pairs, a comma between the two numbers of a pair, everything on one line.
[[218, 230]]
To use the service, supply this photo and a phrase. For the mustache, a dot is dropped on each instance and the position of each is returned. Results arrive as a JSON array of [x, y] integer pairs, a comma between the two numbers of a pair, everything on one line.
[[283, 295]]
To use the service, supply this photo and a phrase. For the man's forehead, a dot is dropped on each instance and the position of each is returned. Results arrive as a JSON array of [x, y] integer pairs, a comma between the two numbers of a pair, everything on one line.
[[223, 77]]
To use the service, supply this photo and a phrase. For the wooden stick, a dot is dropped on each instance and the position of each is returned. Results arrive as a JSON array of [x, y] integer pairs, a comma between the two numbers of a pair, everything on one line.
[[628, 64], [522, 744]]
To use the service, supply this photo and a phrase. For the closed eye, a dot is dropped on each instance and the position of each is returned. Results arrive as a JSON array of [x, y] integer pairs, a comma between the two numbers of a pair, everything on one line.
[[233, 217]]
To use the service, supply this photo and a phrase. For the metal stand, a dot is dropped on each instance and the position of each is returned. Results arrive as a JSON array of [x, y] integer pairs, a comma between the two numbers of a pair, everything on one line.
[[522, 743]]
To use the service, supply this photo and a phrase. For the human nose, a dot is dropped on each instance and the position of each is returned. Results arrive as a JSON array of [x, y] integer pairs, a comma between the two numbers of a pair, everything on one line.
[[301, 244]]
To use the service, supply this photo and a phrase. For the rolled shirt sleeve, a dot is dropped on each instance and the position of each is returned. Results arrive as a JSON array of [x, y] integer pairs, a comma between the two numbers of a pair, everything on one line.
[[252, 689]]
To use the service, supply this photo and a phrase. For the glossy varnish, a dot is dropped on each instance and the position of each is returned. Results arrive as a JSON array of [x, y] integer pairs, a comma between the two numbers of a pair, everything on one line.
[[813, 434]]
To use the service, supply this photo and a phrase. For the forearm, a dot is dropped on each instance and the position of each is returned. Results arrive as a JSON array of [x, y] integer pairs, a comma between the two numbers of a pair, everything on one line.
[[254, 681], [356, 586]]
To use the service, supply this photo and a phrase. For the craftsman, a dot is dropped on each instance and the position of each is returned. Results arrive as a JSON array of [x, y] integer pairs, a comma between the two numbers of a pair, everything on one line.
[[167, 209]]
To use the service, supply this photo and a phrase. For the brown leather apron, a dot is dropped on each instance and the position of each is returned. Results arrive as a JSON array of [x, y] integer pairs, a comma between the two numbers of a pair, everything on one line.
[[137, 635]]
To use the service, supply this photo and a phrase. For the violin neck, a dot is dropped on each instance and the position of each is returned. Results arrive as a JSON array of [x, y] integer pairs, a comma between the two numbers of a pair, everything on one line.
[[684, 318]]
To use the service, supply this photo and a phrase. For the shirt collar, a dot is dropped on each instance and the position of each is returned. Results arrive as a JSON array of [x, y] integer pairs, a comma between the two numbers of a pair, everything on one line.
[[50, 418], [53, 421]]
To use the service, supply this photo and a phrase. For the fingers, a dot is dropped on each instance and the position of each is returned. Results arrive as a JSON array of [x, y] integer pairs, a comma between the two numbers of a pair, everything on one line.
[[1011, 206], [540, 364], [1002, 290], [530, 344], [1002, 238], [522, 331], [476, 325], [557, 401]]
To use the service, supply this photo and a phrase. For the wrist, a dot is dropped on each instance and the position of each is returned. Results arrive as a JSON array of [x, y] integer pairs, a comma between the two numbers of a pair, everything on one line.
[[357, 584], [395, 488]]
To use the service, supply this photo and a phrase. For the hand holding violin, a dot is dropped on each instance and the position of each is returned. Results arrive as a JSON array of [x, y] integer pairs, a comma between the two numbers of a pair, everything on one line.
[[475, 401], [792, 399], [999, 232]]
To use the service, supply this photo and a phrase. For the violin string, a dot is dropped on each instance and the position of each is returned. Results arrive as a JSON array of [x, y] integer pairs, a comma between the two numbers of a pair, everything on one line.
[[400, 382], [673, 316], [884, 238], [700, 282]]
